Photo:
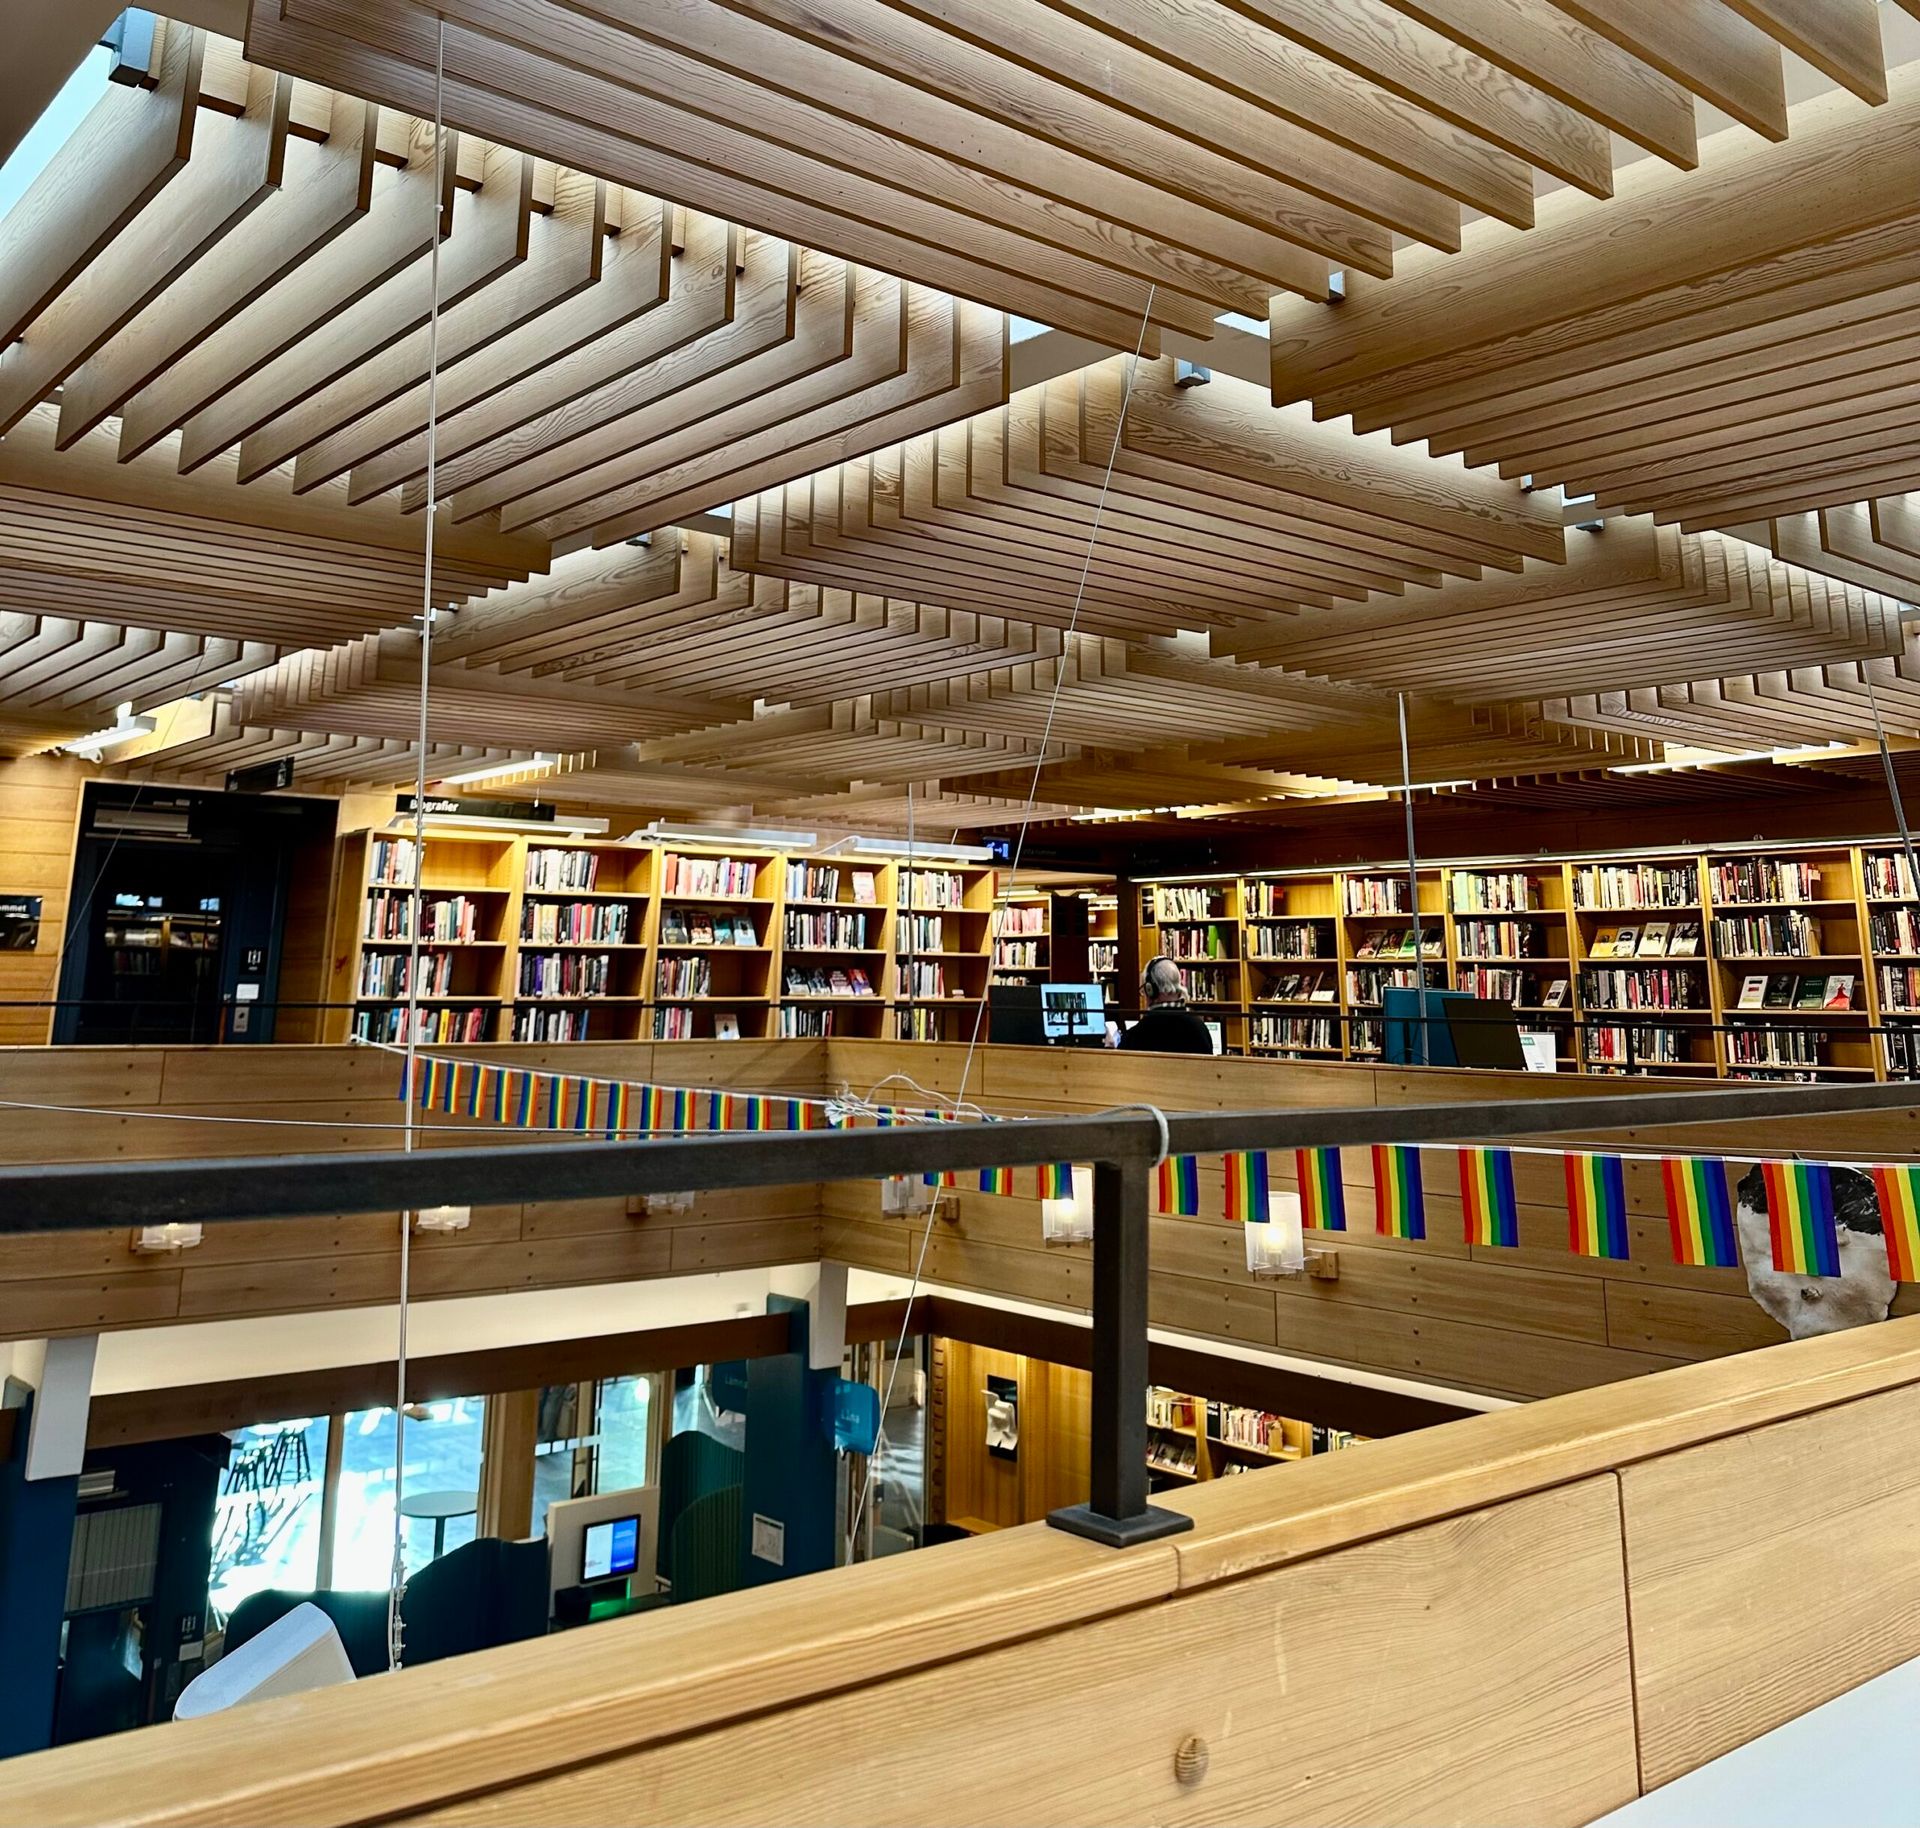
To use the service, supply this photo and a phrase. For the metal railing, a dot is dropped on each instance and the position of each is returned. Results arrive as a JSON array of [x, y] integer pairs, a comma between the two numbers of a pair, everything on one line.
[[1123, 1145]]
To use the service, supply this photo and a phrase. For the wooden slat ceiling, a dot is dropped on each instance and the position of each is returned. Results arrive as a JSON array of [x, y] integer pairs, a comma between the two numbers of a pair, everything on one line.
[[739, 510], [1750, 349], [1078, 161]]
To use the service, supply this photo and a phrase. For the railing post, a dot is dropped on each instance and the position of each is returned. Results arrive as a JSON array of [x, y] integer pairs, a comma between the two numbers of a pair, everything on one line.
[[1118, 1513]]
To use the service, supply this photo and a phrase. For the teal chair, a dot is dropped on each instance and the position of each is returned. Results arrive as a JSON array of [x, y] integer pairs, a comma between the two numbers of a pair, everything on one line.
[[692, 1465], [704, 1555]]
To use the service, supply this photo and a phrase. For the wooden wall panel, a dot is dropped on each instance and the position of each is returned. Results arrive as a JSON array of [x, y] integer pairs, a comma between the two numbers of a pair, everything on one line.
[[1511, 1701], [39, 820], [1769, 1572]]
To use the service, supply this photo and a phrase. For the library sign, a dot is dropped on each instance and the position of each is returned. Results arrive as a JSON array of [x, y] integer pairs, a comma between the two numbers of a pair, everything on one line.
[[445, 806]]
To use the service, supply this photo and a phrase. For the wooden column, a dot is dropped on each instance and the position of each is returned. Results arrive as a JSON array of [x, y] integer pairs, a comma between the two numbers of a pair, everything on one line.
[[506, 1466]]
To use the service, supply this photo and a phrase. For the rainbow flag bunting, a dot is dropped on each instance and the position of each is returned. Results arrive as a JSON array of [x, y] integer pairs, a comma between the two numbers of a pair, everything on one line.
[[585, 1092], [617, 1096], [1055, 1180], [1323, 1201], [450, 1085], [1899, 1191], [720, 1111], [1597, 1206], [497, 1087], [1800, 1216], [1247, 1188], [996, 1180], [1399, 1198], [1180, 1186], [1486, 1197], [1700, 1212], [523, 1101], [653, 1108], [556, 1099], [476, 1088]]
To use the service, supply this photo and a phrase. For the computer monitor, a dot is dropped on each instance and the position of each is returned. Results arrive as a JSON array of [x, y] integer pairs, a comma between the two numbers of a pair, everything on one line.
[[1485, 1032], [1414, 1031], [1218, 1031], [1013, 1015], [609, 1549], [1074, 1013]]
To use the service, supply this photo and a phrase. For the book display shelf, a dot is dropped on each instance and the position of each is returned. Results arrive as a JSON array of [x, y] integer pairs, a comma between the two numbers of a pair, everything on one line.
[[1770, 962], [1103, 943], [1023, 938], [1200, 924], [1192, 1439], [537, 939]]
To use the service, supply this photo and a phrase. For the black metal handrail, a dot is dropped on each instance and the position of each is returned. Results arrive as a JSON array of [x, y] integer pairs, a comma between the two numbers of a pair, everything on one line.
[[1123, 1145]]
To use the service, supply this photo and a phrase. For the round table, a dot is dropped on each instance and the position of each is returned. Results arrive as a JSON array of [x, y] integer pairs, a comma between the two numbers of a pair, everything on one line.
[[441, 1508]]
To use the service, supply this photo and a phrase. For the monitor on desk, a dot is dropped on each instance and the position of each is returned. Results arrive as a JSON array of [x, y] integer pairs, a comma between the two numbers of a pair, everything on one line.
[[609, 1549], [1073, 1013]]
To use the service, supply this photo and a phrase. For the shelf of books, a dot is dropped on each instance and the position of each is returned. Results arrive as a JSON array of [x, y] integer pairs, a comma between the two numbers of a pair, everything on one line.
[[570, 940], [943, 921], [1022, 939], [1192, 1439], [1199, 925], [1378, 949], [1766, 962], [1103, 943]]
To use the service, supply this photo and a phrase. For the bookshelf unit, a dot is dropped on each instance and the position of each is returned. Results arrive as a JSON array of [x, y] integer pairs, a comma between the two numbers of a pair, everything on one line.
[[556, 939], [1197, 923], [1643, 957], [1023, 938], [1103, 942], [1193, 1440], [942, 926]]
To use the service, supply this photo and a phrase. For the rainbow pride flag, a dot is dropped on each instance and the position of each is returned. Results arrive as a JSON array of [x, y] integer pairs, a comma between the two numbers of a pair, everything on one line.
[[498, 1088], [476, 1085], [721, 1111], [556, 1099], [1597, 1206], [1323, 1201], [1399, 1198], [1700, 1211], [585, 1095], [997, 1180], [523, 1101], [1055, 1180], [1179, 1191], [1800, 1216], [1247, 1188], [618, 1094], [1899, 1191], [1486, 1197]]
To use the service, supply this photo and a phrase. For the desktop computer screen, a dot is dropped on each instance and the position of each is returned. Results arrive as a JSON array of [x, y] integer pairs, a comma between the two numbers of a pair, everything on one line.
[[1073, 1012], [610, 1548]]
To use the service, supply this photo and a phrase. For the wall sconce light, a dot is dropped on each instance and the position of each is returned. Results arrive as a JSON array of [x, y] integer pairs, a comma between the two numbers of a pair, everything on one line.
[[1070, 1221], [902, 1196], [157, 1240], [443, 1218], [1277, 1248], [658, 1205]]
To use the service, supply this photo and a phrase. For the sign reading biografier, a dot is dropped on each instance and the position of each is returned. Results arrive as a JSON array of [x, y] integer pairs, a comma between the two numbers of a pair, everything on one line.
[[19, 923]]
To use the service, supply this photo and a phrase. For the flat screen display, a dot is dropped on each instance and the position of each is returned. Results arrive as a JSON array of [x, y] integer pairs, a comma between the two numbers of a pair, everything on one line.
[[1073, 1012], [610, 1548]]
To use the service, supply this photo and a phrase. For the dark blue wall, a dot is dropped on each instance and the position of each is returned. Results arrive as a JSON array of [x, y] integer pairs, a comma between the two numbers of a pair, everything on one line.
[[36, 1542], [791, 1464]]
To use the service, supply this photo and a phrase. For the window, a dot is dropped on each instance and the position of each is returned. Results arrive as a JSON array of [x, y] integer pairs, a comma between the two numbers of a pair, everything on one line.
[[604, 1451], [266, 1520], [443, 1444]]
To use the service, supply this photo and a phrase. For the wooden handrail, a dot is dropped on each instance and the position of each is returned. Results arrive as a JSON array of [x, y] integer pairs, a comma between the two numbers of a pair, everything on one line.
[[461, 1738]]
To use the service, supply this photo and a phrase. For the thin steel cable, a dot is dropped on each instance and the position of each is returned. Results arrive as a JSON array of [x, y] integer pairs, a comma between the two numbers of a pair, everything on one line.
[[1019, 851], [397, 1575]]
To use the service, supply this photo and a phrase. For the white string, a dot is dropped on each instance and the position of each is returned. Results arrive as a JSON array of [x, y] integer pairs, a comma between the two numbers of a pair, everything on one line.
[[1019, 851], [397, 1575]]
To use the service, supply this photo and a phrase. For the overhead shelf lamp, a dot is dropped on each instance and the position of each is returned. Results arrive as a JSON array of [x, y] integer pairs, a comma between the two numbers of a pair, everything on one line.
[[125, 728]]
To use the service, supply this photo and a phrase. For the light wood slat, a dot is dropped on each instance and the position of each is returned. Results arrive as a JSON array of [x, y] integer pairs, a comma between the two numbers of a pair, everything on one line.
[[1399, 53], [133, 142], [1703, 44], [1537, 41], [1213, 41], [1839, 37], [488, 236], [329, 186], [881, 123], [395, 230], [210, 199], [835, 212], [562, 258]]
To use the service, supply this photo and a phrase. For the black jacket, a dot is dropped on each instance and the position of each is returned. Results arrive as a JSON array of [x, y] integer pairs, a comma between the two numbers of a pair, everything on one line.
[[1173, 1028]]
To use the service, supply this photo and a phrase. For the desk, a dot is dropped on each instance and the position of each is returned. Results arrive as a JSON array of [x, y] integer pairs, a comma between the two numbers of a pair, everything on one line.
[[441, 1508]]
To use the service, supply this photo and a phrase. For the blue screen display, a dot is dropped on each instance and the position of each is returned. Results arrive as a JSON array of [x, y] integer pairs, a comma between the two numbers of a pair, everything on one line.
[[1072, 1011], [610, 1548]]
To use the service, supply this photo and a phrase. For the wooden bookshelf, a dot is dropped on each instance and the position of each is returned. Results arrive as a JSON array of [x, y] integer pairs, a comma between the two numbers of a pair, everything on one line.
[[1023, 938], [1644, 956], [1197, 922], [1193, 1440], [1103, 943], [555, 939]]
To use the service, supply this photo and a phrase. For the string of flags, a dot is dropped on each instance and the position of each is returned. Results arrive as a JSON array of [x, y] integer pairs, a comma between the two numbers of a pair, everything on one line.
[[1802, 1216]]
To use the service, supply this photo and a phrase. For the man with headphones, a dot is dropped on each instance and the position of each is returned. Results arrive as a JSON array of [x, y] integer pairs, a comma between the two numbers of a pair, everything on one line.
[[1168, 1026]]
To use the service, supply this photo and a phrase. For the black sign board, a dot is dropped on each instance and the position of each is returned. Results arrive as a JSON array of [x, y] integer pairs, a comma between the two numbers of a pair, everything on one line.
[[263, 777], [19, 923], [478, 809]]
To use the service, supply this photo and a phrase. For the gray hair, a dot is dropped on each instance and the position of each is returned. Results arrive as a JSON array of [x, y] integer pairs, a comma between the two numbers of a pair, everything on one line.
[[1164, 980]]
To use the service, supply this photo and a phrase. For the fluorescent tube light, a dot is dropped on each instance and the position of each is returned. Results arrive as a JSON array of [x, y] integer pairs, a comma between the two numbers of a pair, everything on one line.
[[901, 847], [767, 836], [124, 729], [494, 770]]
